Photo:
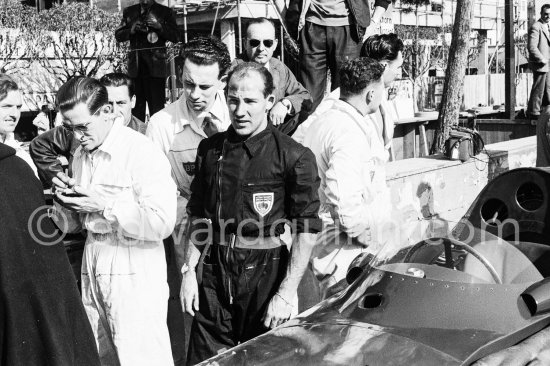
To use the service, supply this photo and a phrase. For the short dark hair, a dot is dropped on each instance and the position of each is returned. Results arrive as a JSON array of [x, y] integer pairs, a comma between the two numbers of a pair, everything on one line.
[[7, 84], [544, 7], [82, 89], [243, 69], [382, 47], [357, 74], [207, 51], [116, 79], [260, 21]]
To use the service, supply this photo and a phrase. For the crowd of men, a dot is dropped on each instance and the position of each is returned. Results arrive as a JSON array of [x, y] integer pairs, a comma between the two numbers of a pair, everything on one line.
[[221, 200]]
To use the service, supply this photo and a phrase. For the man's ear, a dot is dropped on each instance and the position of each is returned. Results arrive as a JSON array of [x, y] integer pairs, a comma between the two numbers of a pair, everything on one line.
[[270, 102], [369, 96], [223, 82], [133, 101], [106, 109]]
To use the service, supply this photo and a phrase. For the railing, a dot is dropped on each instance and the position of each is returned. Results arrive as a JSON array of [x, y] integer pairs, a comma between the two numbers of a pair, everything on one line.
[[479, 90]]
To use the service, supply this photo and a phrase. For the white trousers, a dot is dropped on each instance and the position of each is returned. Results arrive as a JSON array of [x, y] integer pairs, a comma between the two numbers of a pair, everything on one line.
[[125, 295]]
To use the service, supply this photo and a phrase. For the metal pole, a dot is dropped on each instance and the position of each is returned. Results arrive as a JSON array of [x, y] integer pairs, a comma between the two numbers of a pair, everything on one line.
[[173, 78], [239, 26], [282, 44], [184, 22], [510, 55]]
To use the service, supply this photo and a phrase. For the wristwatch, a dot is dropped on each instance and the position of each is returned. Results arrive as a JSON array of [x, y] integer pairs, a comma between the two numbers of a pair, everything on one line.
[[287, 104]]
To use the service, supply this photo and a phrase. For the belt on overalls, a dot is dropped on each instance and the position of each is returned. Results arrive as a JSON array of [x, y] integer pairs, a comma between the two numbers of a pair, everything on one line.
[[234, 241]]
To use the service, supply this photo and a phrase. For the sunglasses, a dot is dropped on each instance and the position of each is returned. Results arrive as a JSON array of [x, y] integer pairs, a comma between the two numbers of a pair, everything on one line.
[[256, 42], [79, 128]]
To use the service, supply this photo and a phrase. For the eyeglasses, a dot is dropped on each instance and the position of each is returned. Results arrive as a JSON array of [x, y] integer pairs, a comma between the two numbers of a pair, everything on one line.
[[79, 128], [256, 42]]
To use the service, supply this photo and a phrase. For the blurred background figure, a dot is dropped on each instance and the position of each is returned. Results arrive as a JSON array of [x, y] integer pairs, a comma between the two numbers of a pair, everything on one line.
[[148, 26], [42, 120]]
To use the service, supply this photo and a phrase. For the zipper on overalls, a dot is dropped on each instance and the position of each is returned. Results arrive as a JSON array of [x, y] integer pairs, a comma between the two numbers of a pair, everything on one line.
[[219, 214], [232, 239], [220, 160]]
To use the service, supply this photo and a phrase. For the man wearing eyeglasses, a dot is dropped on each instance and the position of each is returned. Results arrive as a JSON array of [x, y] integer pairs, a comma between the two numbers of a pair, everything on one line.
[[292, 100], [121, 193], [59, 141]]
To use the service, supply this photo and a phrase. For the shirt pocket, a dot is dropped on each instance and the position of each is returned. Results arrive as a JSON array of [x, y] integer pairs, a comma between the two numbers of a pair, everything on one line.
[[182, 156], [184, 168], [263, 202], [117, 184]]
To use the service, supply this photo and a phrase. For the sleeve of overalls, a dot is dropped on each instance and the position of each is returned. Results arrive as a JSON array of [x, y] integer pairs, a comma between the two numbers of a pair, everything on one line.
[[159, 132], [151, 215], [346, 187], [303, 195]]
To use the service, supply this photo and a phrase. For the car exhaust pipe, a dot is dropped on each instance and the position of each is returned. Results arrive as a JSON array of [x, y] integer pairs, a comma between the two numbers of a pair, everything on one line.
[[537, 297], [357, 266]]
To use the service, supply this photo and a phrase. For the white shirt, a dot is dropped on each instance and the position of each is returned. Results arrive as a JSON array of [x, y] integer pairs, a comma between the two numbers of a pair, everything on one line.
[[383, 114], [19, 151], [133, 175], [177, 130], [351, 160]]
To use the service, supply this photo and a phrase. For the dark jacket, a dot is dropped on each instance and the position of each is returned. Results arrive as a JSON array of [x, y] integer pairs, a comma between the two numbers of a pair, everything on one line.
[[58, 141], [359, 13], [42, 320], [145, 57], [267, 179], [286, 85]]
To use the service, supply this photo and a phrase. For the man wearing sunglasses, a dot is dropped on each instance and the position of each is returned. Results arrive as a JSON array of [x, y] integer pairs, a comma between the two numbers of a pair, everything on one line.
[[59, 141], [292, 100]]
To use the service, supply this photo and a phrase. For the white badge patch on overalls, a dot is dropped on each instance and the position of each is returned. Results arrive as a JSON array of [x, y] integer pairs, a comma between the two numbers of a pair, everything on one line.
[[263, 203]]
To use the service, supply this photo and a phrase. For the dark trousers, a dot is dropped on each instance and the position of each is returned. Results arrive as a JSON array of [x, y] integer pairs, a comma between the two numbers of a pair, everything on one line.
[[543, 138], [150, 91], [323, 47], [179, 323], [540, 94], [237, 285]]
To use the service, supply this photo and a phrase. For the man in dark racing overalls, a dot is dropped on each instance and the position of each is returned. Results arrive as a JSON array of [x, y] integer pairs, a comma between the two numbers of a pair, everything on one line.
[[238, 279]]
